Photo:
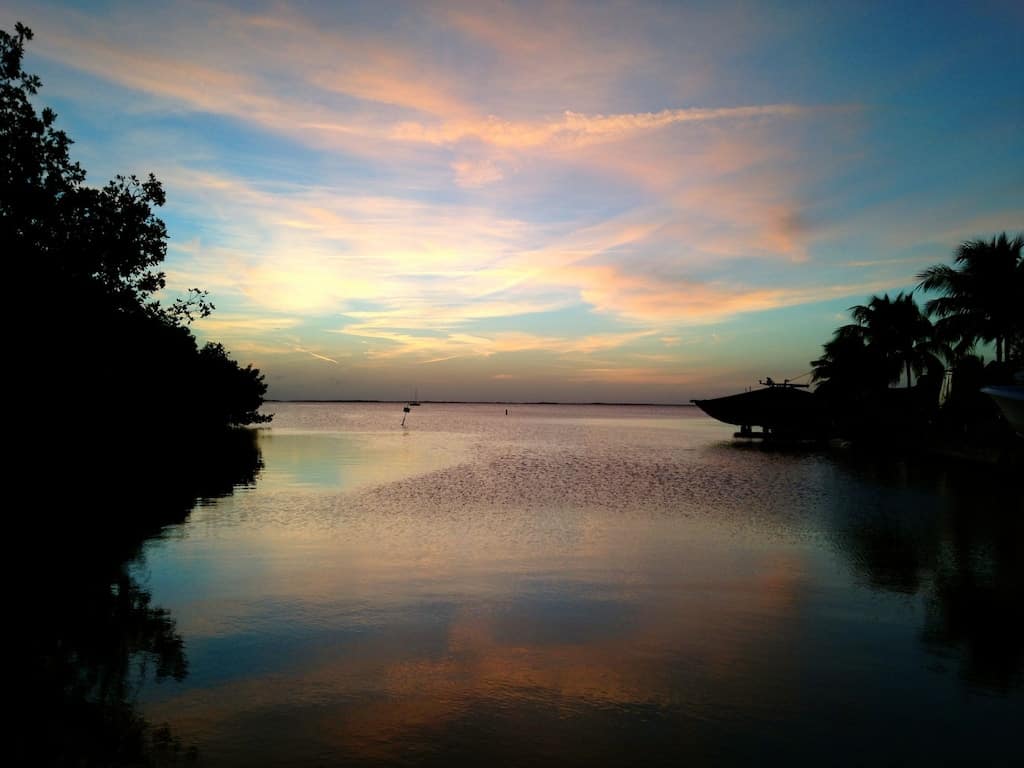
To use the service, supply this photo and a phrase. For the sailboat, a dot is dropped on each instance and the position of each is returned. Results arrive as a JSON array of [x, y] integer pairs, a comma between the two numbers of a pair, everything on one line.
[[415, 397]]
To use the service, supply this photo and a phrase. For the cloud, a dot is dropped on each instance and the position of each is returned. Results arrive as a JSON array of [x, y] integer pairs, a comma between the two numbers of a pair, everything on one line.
[[626, 375], [316, 355], [221, 323], [572, 129], [466, 197], [414, 276], [477, 173], [656, 300], [460, 344], [337, 88]]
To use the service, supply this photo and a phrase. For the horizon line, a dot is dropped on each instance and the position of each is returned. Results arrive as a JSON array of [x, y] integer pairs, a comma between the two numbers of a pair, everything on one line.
[[475, 402]]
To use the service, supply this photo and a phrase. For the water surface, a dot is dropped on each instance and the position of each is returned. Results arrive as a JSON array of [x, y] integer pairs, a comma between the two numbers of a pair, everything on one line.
[[586, 585]]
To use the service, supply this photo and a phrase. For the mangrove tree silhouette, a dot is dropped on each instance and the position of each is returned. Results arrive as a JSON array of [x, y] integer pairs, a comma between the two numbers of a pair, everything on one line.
[[98, 349]]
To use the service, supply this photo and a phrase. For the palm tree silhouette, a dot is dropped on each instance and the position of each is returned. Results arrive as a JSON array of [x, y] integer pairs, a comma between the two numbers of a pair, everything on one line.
[[982, 298], [900, 337], [847, 369]]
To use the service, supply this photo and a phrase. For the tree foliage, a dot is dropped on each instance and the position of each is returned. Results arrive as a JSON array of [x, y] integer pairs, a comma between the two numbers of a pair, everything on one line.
[[981, 296], [92, 255], [889, 340], [981, 299], [848, 369], [899, 336]]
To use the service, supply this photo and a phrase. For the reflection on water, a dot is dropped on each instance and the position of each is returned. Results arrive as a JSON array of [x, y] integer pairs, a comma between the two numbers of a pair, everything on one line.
[[335, 460], [581, 585], [93, 633], [964, 556], [95, 647]]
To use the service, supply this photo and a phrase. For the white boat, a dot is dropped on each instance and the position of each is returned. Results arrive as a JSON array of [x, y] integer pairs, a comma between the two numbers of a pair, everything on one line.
[[1010, 399]]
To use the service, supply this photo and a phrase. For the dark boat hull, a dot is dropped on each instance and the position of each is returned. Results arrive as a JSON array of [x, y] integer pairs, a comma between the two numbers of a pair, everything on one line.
[[778, 410]]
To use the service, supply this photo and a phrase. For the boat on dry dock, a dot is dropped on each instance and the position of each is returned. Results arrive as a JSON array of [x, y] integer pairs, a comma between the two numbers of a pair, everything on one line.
[[783, 410]]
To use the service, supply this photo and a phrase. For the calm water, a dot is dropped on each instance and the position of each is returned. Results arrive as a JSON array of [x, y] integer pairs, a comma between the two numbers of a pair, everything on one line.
[[587, 585]]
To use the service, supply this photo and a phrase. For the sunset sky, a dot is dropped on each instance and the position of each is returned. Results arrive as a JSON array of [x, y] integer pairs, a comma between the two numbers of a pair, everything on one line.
[[639, 202]]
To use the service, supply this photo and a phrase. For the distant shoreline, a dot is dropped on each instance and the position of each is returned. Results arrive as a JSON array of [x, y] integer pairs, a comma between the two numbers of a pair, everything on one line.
[[489, 402]]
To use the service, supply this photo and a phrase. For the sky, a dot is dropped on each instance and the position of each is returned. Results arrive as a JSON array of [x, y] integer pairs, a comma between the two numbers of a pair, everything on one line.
[[619, 202]]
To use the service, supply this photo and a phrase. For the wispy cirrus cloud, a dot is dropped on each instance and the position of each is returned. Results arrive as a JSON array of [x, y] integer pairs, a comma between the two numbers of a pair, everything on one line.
[[572, 129], [428, 349], [316, 355]]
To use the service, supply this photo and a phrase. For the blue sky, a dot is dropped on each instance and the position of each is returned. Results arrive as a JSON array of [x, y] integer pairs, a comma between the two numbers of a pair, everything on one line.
[[641, 202]]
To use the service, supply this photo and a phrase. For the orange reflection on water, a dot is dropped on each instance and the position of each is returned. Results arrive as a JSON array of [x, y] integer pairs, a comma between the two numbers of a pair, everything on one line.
[[671, 649]]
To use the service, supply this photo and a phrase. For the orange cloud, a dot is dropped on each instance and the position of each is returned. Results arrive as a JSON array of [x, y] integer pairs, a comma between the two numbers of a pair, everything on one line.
[[572, 129], [626, 293]]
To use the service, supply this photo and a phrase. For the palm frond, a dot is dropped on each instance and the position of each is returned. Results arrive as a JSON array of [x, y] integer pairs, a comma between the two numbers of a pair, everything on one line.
[[937, 277]]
